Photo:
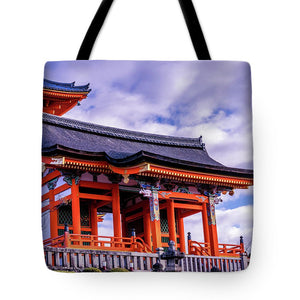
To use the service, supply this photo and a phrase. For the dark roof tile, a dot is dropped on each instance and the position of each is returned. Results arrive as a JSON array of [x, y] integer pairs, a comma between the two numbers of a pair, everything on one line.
[[65, 87], [124, 147]]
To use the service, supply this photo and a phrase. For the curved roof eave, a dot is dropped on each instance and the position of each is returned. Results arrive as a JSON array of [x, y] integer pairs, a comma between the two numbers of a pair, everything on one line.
[[148, 157]]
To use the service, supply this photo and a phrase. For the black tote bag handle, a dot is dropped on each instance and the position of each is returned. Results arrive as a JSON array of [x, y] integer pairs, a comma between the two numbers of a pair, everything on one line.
[[188, 11]]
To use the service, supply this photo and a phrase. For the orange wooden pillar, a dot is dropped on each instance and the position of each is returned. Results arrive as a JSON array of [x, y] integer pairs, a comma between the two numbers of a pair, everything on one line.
[[124, 225], [205, 223], [212, 226], [147, 226], [171, 221], [181, 232], [116, 211], [53, 215], [53, 209], [156, 234], [94, 221], [155, 220], [75, 207], [214, 240]]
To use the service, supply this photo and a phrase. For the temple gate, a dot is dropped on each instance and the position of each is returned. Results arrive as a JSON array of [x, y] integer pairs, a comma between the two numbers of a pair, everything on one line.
[[149, 183]]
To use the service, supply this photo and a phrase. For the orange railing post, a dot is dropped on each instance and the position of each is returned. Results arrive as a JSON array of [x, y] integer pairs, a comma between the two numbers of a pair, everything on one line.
[[67, 240], [189, 242]]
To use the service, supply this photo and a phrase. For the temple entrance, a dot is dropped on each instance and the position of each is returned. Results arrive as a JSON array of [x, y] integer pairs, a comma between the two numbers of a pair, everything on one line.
[[194, 225]]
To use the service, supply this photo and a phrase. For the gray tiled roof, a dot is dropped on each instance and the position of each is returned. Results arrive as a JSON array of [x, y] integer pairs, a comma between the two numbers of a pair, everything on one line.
[[65, 87], [121, 146]]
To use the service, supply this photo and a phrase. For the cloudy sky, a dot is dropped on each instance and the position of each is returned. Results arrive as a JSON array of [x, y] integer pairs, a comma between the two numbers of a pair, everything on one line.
[[188, 99]]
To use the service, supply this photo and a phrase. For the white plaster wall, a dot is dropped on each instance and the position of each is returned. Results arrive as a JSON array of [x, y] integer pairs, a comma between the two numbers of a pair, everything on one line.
[[86, 176], [60, 181], [193, 190], [102, 178], [46, 172], [45, 189], [46, 225], [63, 194], [45, 203]]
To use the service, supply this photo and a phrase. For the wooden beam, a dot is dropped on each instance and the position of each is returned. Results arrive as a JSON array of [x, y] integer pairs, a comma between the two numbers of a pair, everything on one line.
[[61, 188], [96, 185], [95, 197], [163, 206], [50, 176], [200, 177], [45, 196], [102, 203], [57, 190], [188, 206], [190, 213], [182, 196], [134, 217], [130, 170], [134, 207], [56, 203]]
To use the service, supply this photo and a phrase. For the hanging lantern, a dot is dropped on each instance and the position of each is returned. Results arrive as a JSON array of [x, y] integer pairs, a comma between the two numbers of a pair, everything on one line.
[[224, 192], [231, 193]]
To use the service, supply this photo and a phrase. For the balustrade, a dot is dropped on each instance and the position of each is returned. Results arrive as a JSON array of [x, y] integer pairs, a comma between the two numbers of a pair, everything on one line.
[[74, 259]]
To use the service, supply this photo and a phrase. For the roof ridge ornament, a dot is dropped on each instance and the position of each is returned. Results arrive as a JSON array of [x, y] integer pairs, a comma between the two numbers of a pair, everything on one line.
[[65, 86], [201, 143]]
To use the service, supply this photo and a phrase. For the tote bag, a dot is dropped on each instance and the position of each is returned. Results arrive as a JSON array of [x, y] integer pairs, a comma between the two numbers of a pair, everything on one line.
[[147, 165]]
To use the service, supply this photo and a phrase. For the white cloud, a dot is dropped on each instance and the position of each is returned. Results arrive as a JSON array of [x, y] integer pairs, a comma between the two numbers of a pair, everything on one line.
[[231, 224], [193, 224], [105, 228], [212, 99]]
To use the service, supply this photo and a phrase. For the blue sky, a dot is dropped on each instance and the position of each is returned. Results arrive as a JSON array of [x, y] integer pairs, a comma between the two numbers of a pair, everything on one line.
[[212, 99]]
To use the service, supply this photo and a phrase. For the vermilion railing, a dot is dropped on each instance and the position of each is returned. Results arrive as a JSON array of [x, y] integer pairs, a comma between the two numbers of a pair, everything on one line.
[[226, 250], [83, 241], [55, 242], [108, 243], [196, 248], [231, 250], [134, 244]]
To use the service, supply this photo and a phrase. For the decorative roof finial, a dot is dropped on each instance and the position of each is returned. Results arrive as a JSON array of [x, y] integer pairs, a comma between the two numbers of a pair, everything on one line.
[[201, 143]]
